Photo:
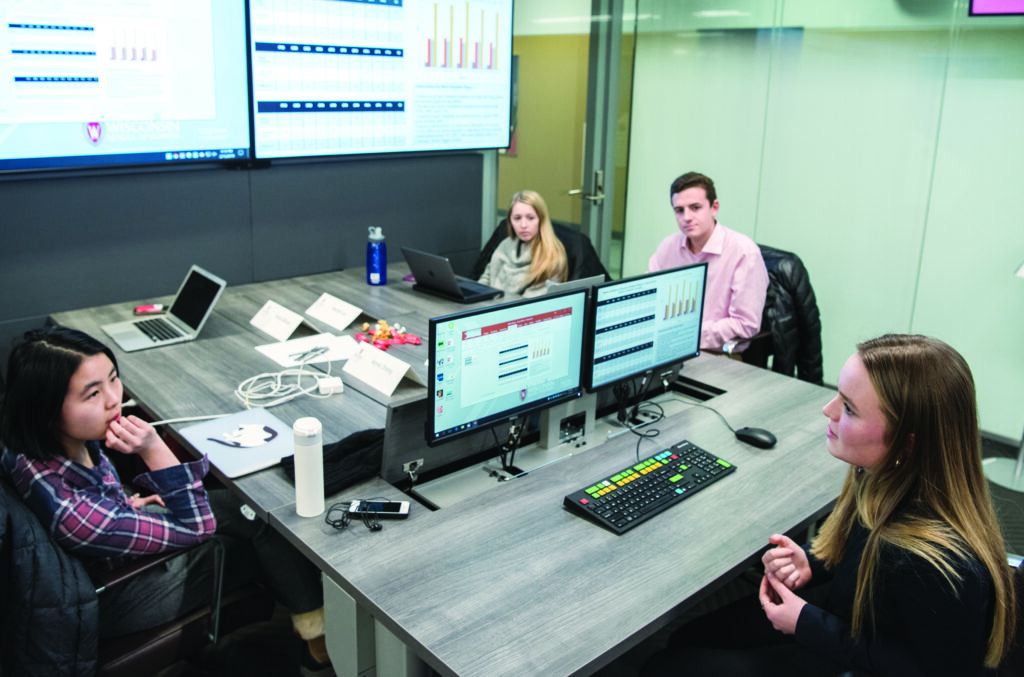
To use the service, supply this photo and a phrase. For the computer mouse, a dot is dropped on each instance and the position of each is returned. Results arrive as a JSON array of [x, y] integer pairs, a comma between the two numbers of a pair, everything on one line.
[[758, 437]]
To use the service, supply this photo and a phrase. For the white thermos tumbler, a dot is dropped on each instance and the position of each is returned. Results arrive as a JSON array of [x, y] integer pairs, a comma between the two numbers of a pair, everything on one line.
[[309, 467]]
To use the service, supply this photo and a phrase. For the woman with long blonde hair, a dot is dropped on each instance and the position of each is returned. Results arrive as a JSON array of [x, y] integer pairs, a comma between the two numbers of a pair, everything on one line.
[[532, 253], [918, 582]]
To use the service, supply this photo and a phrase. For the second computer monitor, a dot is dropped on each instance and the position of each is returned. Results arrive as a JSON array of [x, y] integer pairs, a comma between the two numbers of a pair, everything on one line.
[[645, 322], [488, 365]]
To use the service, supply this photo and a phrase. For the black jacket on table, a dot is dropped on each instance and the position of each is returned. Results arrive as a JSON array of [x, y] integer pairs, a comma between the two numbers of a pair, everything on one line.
[[922, 627]]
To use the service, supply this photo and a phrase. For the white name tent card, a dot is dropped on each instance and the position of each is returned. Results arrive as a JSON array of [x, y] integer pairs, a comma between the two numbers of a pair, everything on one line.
[[333, 311], [378, 370], [276, 321]]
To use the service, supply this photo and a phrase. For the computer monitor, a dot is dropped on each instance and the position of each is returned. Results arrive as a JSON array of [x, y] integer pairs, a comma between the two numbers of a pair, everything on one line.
[[644, 323], [490, 365]]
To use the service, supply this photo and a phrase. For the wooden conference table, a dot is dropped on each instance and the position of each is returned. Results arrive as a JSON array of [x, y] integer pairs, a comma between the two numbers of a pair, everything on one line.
[[506, 581]]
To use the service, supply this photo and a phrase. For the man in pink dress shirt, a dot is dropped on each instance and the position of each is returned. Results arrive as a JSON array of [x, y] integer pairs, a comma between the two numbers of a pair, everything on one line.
[[737, 279]]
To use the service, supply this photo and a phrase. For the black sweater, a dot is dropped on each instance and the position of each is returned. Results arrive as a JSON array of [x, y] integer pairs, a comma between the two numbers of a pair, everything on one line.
[[922, 627]]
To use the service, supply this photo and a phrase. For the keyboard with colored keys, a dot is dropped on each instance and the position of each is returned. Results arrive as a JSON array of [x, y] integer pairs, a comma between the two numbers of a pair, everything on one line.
[[627, 498]]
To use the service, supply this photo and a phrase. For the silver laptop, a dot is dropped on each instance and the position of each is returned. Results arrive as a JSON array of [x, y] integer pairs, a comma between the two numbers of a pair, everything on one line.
[[434, 275], [552, 287], [189, 311]]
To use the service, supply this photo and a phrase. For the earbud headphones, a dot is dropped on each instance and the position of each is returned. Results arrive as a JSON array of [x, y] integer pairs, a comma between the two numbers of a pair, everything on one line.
[[339, 517]]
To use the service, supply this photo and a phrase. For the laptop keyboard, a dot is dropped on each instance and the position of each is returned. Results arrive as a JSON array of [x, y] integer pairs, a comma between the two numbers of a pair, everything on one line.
[[158, 329]]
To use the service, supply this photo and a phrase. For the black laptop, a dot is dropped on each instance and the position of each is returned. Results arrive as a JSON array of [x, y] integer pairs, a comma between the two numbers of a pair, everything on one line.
[[434, 275]]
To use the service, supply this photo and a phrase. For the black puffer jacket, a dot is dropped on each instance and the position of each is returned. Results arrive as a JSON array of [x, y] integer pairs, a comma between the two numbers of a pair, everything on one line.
[[49, 614], [791, 314]]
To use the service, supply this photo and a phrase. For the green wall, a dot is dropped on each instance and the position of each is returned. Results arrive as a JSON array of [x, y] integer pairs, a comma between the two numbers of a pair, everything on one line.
[[883, 141]]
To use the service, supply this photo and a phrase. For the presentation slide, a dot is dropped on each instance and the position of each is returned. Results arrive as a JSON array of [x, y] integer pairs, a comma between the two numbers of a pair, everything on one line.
[[110, 82], [495, 363], [340, 77], [508, 358]]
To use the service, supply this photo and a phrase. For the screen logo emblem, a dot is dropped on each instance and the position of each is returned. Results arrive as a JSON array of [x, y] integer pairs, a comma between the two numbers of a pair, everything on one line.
[[94, 132]]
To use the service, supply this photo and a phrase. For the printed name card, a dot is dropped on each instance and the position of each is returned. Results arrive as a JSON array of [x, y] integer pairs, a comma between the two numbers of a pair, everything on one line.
[[377, 369], [333, 311], [276, 321]]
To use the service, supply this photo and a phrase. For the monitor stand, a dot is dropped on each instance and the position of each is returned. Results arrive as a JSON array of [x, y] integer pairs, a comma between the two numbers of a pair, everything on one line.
[[569, 422]]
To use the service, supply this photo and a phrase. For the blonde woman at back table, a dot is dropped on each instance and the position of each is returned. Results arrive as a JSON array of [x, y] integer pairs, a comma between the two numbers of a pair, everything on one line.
[[532, 253]]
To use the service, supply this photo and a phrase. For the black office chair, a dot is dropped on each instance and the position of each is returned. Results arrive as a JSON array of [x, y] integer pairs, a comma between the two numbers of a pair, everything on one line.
[[579, 250], [54, 629], [790, 324]]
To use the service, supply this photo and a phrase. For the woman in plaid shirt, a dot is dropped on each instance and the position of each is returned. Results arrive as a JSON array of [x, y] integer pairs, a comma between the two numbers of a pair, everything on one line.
[[60, 417]]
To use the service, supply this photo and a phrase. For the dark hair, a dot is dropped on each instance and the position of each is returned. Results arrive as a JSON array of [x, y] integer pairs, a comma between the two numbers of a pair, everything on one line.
[[39, 370], [694, 180]]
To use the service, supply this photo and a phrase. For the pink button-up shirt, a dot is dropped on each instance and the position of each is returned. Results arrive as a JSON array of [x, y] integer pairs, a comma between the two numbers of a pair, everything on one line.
[[736, 286]]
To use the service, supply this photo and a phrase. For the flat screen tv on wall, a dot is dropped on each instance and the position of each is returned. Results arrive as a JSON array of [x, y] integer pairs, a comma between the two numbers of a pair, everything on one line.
[[996, 7], [114, 83], [353, 77]]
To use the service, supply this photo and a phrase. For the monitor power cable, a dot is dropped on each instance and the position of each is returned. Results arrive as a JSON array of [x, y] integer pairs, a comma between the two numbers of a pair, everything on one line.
[[647, 432], [507, 451]]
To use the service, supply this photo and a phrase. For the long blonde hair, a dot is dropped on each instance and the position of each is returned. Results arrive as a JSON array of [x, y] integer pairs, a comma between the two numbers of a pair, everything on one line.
[[928, 494], [547, 254]]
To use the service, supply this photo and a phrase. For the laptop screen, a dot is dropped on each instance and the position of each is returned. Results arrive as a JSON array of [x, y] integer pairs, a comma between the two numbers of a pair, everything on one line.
[[195, 298]]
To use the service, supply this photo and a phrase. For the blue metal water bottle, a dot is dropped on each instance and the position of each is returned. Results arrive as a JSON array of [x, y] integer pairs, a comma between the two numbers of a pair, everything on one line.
[[376, 258]]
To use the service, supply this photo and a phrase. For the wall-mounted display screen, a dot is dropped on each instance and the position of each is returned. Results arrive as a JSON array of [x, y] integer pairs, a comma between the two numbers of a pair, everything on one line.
[[86, 83], [988, 7], [344, 77]]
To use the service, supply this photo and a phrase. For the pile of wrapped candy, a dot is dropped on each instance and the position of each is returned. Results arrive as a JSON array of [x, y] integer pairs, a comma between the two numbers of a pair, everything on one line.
[[383, 335]]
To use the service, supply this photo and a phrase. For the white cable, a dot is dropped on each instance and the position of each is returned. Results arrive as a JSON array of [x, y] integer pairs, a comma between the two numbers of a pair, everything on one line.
[[269, 389], [187, 418]]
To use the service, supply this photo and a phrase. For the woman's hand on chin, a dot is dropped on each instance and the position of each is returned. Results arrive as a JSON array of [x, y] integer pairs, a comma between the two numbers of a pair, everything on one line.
[[132, 435]]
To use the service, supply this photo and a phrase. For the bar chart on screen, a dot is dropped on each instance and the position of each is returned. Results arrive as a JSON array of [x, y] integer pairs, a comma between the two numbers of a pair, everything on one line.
[[358, 76], [462, 35]]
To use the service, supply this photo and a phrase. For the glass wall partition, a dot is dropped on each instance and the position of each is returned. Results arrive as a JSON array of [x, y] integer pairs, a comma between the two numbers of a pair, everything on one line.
[[882, 141]]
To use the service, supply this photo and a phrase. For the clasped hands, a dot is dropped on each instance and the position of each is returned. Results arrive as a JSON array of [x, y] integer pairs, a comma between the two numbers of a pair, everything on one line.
[[786, 569]]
